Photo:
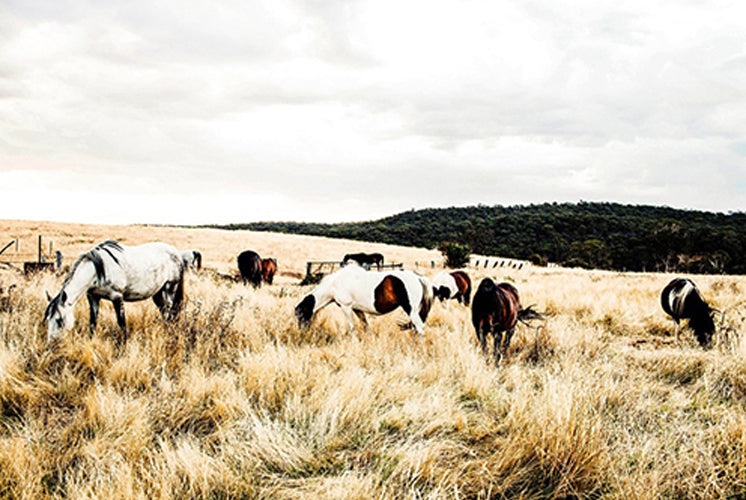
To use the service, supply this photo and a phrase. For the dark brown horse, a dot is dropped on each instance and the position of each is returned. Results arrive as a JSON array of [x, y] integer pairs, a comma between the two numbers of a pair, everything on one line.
[[250, 267], [269, 268], [497, 309], [681, 300], [365, 259]]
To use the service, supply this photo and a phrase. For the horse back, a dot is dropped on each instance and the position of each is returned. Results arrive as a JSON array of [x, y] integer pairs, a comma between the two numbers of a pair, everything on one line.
[[141, 271], [676, 295], [495, 305]]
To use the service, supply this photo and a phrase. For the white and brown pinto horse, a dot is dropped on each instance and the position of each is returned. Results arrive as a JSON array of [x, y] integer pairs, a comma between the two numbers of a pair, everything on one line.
[[118, 273], [357, 292], [681, 299], [454, 285]]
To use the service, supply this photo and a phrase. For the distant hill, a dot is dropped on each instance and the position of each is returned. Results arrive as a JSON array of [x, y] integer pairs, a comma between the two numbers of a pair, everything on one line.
[[593, 235]]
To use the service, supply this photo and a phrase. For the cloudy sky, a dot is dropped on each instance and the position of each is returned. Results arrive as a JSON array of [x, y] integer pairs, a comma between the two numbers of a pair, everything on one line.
[[326, 110]]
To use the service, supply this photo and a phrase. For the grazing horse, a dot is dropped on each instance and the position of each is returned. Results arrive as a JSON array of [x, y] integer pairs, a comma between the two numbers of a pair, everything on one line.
[[454, 285], [497, 309], [120, 274], [192, 259], [364, 259], [357, 291], [681, 300], [269, 268], [250, 267]]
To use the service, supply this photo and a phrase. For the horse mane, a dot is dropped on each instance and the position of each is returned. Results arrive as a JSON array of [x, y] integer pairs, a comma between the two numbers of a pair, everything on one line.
[[94, 256]]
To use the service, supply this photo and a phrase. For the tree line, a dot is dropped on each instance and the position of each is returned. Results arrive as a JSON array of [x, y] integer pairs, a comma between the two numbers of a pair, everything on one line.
[[590, 235]]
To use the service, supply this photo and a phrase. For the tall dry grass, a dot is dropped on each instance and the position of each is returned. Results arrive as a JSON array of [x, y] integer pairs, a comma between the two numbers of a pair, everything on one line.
[[233, 400]]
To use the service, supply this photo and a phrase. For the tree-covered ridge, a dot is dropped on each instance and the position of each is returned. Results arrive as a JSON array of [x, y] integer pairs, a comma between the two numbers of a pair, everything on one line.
[[600, 235]]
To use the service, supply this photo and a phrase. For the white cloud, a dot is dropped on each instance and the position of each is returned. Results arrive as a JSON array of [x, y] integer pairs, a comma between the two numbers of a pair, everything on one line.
[[357, 109]]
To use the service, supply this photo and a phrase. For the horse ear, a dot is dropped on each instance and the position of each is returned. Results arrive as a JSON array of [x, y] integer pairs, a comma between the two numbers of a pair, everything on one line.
[[49, 297]]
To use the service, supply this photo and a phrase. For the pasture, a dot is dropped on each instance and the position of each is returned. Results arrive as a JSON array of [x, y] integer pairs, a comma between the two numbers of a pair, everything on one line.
[[234, 400]]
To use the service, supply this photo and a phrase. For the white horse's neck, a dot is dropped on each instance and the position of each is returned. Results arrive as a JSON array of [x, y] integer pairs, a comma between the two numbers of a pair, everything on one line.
[[79, 283], [324, 292]]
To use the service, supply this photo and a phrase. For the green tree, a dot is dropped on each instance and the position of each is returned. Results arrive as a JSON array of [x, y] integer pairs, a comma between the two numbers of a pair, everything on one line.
[[456, 254]]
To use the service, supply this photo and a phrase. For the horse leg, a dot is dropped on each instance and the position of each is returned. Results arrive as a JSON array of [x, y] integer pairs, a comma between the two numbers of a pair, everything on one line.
[[363, 319], [419, 326], [506, 342], [678, 330], [121, 319], [177, 298], [498, 336], [482, 331], [350, 318], [93, 303], [169, 300], [159, 301]]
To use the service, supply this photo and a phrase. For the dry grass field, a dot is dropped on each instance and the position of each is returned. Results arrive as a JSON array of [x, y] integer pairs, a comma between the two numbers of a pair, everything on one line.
[[233, 400]]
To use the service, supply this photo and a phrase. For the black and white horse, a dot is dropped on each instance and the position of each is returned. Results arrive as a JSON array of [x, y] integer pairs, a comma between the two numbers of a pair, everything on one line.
[[357, 292], [681, 300], [364, 259], [496, 309], [118, 273], [192, 259]]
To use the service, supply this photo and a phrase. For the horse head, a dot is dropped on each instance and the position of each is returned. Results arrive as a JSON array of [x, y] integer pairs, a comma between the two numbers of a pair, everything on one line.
[[304, 311], [442, 292], [58, 315]]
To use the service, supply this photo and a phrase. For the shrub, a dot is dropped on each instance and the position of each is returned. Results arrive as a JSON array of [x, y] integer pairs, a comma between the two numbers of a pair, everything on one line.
[[456, 254]]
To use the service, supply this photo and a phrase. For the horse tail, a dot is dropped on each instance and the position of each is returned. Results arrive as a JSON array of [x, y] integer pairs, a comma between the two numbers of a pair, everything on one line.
[[197, 259], [529, 314], [427, 298]]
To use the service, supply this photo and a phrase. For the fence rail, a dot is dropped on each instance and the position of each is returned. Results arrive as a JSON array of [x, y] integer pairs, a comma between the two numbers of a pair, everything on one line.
[[31, 262], [323, 267]]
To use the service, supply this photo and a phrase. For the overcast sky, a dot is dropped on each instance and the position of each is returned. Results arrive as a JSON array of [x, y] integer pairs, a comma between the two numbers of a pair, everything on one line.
[[197, 112]]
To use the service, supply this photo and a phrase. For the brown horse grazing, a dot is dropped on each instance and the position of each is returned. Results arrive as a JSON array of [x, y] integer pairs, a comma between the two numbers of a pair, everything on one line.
[[269, 268], [497, 309], [250, 267], [681, 300], [365, 259]]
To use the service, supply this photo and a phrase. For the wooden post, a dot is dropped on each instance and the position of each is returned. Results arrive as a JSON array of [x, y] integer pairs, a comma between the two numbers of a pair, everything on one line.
[[39, 260]]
